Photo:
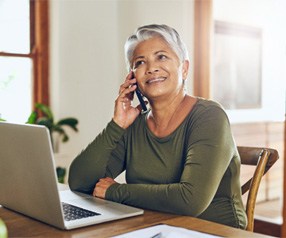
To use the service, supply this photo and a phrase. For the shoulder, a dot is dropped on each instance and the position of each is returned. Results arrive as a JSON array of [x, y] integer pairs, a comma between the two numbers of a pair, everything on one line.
[[208, 120], [205, 107], [207, 103], [207, 114]]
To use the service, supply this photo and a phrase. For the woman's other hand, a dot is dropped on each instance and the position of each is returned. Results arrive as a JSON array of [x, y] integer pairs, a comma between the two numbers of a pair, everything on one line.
[[101, 187], [124, 112]]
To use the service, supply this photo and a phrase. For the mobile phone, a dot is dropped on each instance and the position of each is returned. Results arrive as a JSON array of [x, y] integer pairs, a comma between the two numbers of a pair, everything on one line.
[[140, 97]]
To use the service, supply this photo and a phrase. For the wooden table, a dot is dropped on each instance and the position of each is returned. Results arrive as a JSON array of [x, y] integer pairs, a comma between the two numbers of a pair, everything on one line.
[[19, 226]]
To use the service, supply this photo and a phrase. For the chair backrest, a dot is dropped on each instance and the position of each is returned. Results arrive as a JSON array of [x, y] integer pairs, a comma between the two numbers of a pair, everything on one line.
[[263, 159]]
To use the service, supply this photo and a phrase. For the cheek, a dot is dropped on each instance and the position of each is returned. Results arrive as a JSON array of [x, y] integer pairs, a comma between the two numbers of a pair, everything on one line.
[[139, 74], [174, 71], [171, 66]]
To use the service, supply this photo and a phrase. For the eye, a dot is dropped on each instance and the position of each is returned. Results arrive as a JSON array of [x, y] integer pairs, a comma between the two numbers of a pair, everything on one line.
[[162, 57], [138, 63]]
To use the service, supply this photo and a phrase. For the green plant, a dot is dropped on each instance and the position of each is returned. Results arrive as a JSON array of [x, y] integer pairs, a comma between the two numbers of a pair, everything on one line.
[[42, 115], [3, 229]]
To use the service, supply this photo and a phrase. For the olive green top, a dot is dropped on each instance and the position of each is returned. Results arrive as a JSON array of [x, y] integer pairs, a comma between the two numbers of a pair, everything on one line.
[[194, 171]]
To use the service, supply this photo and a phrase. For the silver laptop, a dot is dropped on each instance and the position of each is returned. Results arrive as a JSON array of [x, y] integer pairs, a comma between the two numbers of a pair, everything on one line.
[[28, 183]]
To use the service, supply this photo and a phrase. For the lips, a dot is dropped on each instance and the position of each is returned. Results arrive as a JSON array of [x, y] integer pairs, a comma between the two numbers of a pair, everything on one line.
[[155, 80]]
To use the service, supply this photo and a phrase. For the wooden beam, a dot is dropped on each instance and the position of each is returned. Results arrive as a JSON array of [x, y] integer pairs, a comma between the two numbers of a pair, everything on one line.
[[267, 228], [15, 55], [283, 229], [202, 47], [41, 51]]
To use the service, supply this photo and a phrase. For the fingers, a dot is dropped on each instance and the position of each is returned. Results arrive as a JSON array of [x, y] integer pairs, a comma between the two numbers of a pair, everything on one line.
[[124, 112], [108, 179], [102, 185], [99, 189], [139, 107], [126, 91], [129, 81]]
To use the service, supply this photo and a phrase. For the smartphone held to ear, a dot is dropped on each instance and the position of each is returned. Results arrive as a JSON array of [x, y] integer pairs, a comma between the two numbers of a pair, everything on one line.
[[140, 98]]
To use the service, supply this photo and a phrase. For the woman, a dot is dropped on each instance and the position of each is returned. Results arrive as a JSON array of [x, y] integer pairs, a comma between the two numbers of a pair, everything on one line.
[[179, 156]]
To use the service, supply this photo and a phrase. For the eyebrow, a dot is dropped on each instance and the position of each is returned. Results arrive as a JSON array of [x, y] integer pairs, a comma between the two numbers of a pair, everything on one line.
[[157, 52]]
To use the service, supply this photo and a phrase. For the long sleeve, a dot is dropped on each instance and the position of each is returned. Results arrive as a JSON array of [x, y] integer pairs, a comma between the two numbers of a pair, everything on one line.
[[208, 152], [91, 164], [193, 171]]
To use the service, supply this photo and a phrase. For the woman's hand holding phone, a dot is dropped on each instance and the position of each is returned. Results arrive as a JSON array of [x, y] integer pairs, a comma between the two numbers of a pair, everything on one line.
[[124, 112]]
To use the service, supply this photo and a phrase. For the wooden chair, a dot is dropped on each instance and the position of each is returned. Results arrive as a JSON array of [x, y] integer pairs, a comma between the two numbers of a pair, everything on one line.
[[263, 159]]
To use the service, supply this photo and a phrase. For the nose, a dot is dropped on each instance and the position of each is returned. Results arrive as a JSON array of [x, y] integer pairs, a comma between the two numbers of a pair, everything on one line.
[[152, 68]]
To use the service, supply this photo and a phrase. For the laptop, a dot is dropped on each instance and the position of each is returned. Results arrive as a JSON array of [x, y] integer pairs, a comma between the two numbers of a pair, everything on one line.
[[28, 183]]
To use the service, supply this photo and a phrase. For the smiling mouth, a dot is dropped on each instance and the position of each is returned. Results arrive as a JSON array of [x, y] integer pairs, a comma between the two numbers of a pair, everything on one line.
[[156, 80]]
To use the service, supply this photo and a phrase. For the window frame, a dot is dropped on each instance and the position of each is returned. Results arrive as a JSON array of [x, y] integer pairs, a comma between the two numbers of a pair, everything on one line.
[[39, 50], [202, 47]]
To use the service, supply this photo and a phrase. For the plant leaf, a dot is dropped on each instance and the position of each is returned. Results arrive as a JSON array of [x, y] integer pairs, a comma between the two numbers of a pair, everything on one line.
[[45, 122], [46, 110], [61, 172], [58, 129], [32, 118], [70, 121], [65, 137], [61, 131]]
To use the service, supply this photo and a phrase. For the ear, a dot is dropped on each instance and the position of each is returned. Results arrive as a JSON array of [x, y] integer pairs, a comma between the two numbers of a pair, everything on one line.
[[185, 69]]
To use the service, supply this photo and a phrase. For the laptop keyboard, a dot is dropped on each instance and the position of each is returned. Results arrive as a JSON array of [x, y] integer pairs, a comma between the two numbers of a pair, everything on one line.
[[73, 213]]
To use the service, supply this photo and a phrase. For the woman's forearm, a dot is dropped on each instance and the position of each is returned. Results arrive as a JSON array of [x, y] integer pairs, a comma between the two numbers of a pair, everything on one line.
[[91, 164]]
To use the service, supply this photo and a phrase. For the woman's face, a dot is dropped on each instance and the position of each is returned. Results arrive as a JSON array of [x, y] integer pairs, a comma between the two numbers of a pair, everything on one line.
[[157, 69]]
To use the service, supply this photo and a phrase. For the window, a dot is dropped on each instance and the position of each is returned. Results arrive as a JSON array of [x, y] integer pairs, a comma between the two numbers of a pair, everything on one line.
[[237, 69], [256, 116], [23, 57]]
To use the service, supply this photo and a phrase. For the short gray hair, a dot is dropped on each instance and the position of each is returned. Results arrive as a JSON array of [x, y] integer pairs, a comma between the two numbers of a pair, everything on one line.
[[169, 34]]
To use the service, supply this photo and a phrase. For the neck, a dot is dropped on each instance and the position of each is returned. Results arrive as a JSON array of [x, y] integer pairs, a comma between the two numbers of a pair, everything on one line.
[[162, 113]]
